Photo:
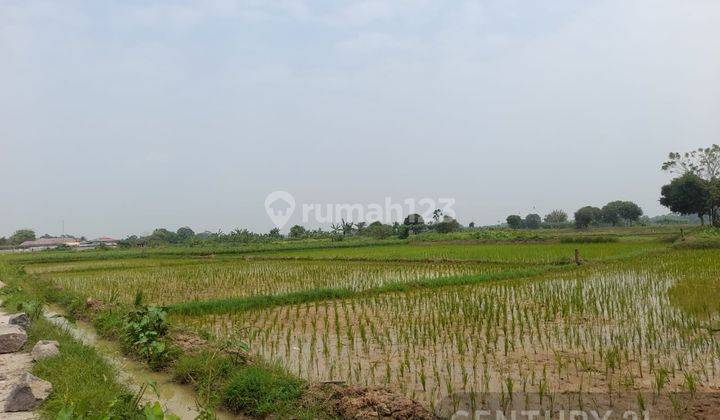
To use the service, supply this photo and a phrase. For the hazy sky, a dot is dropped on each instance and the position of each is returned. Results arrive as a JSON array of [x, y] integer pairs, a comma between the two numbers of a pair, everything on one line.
[[118, 117]]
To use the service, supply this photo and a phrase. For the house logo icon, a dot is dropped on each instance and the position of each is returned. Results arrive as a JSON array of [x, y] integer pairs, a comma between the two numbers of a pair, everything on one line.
[[280, 206]]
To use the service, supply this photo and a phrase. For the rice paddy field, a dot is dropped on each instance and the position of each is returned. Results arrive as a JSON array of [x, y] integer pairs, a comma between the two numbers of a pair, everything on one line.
[[636, 320], [510, 252], [168, 284]]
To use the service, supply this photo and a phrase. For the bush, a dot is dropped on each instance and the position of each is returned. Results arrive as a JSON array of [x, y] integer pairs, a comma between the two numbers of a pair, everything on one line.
[[403, 232], [260, 390], [143, 334]]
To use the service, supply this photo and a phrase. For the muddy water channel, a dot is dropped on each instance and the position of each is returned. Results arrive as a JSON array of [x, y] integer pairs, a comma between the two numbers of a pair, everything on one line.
[[175, 398], [602, 330]]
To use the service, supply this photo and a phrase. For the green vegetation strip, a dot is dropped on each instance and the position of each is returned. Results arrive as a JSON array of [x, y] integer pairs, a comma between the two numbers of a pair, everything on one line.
[[189, 251], [218, 306]]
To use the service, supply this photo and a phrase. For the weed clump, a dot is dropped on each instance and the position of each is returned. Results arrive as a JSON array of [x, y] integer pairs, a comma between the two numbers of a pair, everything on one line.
[[260, 390], [144, 333]]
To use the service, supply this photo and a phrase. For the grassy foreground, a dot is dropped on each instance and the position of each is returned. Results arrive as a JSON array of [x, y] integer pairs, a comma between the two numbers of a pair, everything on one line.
[[83, 382], [85, 386]]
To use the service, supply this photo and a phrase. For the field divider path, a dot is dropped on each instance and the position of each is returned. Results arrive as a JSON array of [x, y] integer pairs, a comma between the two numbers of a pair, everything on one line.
[[229, 305]]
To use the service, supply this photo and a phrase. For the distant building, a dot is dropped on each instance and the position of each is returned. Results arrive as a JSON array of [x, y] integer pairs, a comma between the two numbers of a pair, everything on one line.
[[101, 241], [49, 243]]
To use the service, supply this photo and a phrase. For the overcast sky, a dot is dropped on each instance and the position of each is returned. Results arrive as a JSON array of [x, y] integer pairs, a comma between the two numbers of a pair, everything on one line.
[[119, 117]]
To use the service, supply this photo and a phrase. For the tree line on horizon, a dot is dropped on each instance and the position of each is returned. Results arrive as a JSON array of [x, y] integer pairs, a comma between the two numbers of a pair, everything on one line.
[[693, 193], [612, 214]]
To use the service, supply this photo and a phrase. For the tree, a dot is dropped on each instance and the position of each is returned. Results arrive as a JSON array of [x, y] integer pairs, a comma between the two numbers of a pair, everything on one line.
[[447, 225], [378, 230], [586, 216], [703, 162], [437, 213], [687, 194], [3, 241], [533, 221], [346, 227], [556, 216], [360, 227], [629, 211], [275, 233], [610, 213], [297, 231], [514, 221], [163, 236], [616, 211], [21, 236], [471, 225], [185, 233]]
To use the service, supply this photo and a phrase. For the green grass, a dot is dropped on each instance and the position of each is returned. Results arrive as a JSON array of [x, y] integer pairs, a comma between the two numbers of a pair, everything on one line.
[[697, 290], [705, 238], [81, 378], [52, 256], [261, 390], [255, 388], [85, 383]]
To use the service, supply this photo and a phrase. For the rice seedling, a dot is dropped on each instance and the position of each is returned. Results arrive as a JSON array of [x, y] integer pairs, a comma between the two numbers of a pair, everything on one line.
[[541, 253], [182, 282], [600, 329]]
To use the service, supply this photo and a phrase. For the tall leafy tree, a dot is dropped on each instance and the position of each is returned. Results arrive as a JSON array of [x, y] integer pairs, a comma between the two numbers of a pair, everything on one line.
[[687, 194], [587, 216], [610, 212], [297, 231], [533, 221], [185, 233], [514, 221], [629, 211], [556, 216], [703, 162]]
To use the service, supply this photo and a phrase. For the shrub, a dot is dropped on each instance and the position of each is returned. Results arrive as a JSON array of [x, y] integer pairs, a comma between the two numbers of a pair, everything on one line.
[[143, 333]]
